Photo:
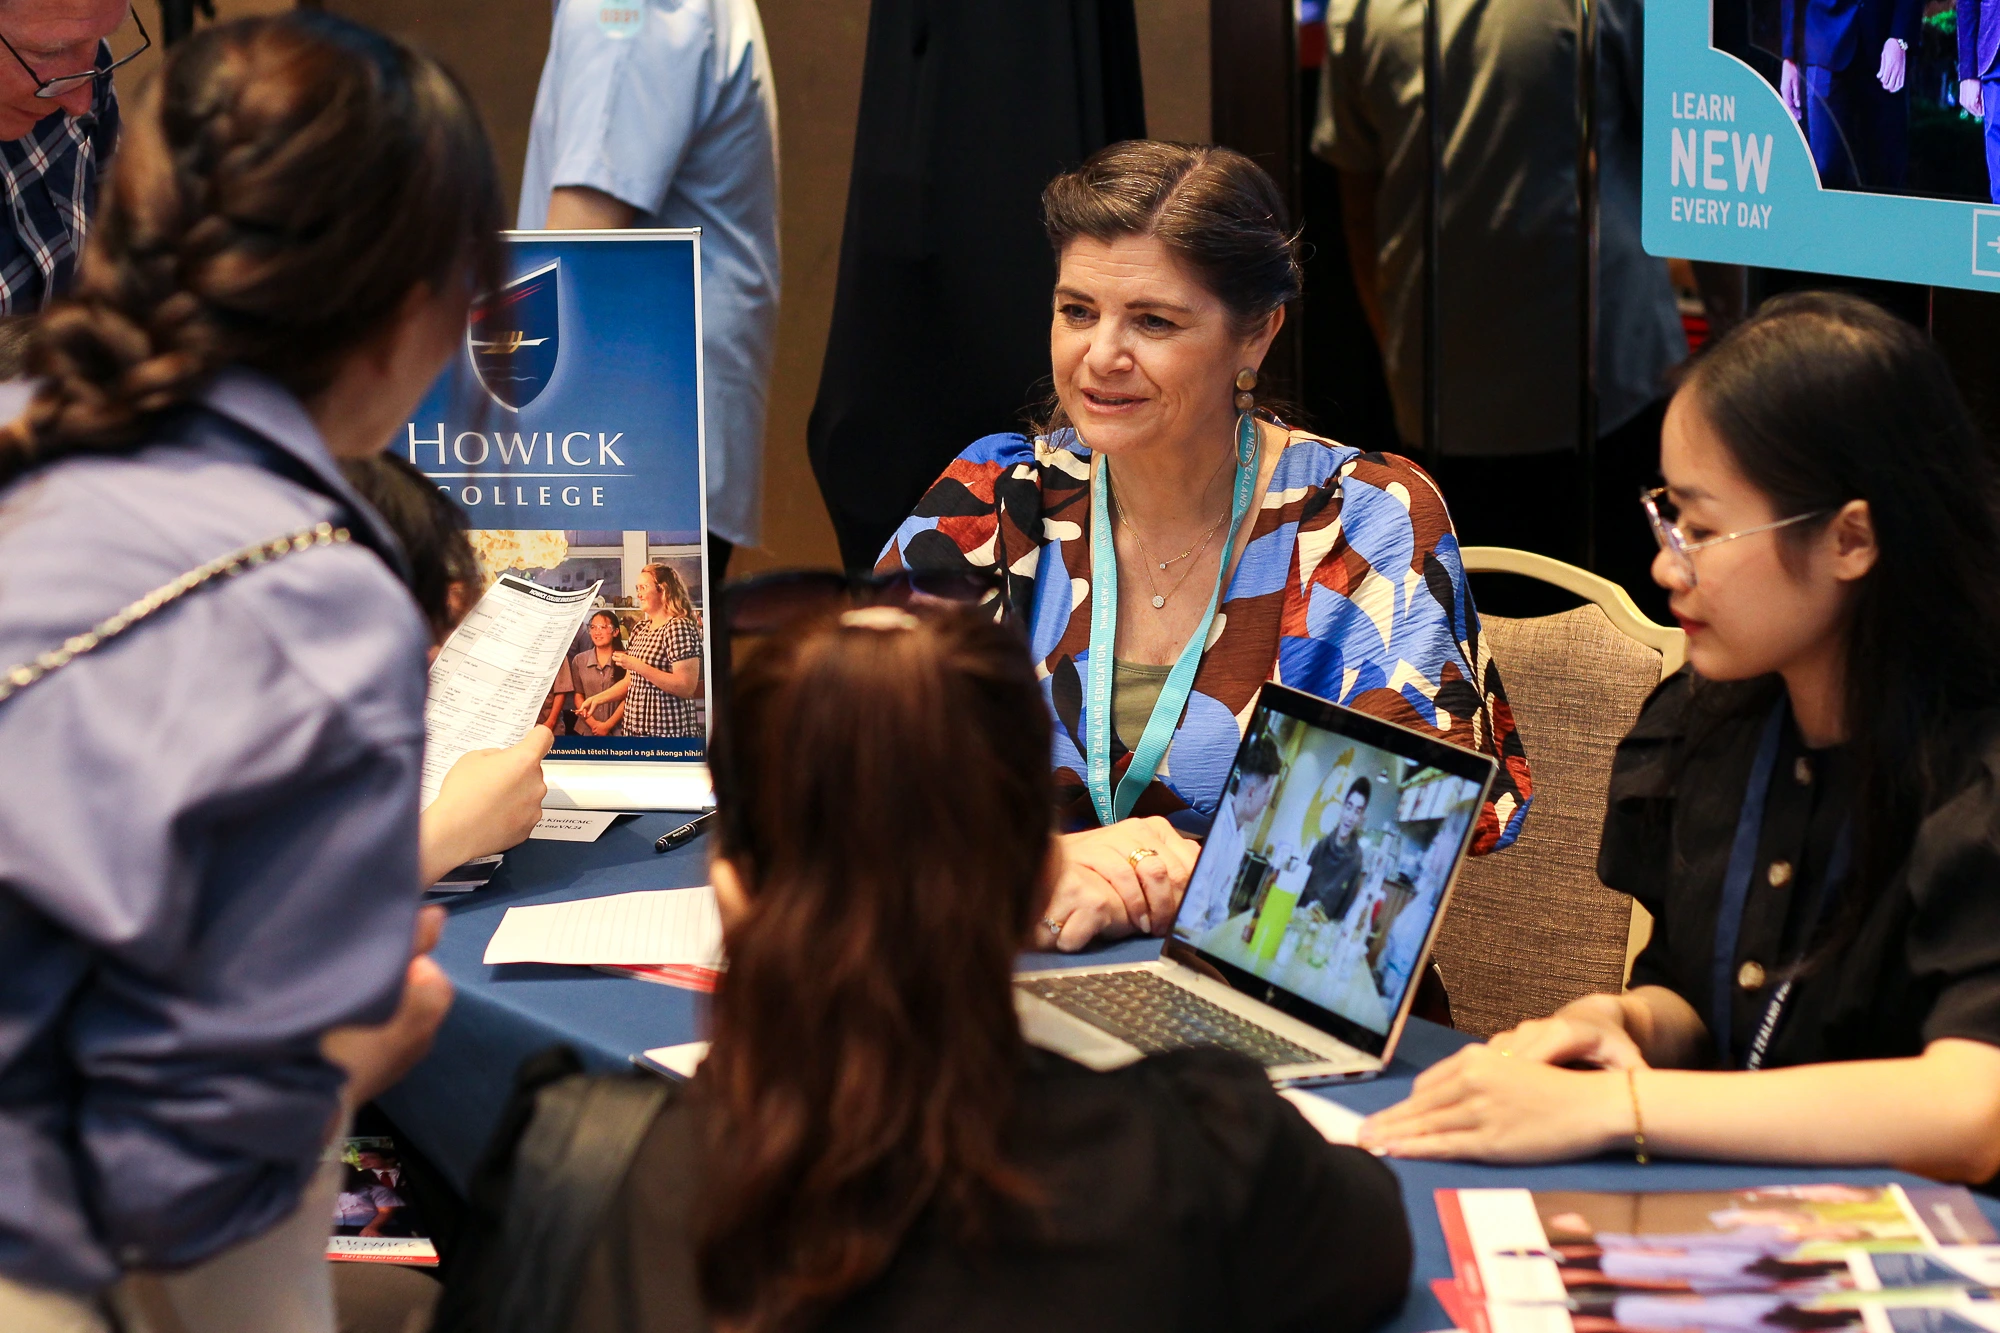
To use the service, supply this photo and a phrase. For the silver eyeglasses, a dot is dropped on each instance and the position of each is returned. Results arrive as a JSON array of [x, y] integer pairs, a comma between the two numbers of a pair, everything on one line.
[[50, 89], [1667, 532]]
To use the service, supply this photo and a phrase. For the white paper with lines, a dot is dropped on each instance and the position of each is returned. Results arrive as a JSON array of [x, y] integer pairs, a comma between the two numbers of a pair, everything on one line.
[[657, 927]]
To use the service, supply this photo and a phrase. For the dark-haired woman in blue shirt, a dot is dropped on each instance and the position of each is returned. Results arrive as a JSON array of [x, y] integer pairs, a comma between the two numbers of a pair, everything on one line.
[[208, 821]]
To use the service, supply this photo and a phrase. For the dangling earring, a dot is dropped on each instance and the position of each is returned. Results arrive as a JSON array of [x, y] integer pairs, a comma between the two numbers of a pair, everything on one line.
[[1246, 381]]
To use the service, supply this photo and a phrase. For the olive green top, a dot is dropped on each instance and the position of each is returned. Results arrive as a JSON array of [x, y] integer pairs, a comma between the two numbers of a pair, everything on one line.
[[1135, 688]]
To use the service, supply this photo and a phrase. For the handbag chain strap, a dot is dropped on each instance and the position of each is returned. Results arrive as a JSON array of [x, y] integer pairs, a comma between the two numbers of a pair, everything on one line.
[[222, 567]]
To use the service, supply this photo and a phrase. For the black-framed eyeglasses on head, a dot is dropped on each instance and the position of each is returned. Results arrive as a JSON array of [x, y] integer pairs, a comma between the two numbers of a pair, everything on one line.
[[769, 602], [48, 89]]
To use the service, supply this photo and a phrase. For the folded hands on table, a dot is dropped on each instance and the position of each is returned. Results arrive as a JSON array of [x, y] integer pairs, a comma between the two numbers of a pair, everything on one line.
[[1124, 879]]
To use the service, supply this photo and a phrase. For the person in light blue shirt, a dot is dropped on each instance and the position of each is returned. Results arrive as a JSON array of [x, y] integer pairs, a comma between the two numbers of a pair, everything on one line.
[[209, 833], [661, 113]]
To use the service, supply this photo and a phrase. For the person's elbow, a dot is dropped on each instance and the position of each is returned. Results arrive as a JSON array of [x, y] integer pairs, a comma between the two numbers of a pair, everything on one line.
[[180, 1177], [1965, 1147], [1971, 1157]]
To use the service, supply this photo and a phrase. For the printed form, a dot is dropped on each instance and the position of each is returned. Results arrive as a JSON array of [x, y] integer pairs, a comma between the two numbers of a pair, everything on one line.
[[492, 676]]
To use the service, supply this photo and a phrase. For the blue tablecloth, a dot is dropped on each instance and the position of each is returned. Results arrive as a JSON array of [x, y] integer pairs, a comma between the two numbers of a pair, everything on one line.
[[448, 1104]]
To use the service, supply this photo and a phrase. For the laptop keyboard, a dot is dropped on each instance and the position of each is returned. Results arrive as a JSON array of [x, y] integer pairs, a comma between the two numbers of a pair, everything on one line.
[[1146, 1011]]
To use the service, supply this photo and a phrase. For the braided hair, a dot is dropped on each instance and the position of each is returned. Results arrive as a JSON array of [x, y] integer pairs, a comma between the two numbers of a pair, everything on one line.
[[281, 188]]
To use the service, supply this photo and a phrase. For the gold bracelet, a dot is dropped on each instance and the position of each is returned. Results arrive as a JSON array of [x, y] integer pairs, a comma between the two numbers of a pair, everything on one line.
[[1638, 1121]]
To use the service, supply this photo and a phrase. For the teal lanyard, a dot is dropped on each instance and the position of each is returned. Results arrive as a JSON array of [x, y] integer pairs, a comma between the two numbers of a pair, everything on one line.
[[1104, 639]]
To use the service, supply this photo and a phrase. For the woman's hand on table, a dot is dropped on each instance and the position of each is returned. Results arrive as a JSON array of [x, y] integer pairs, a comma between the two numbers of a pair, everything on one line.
[[1510, 1101], [1488, 1104], [1591, 1032], [1111, 887]]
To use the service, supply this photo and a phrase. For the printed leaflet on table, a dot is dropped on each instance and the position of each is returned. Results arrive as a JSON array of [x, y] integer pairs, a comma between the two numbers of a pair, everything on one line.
[[1779, 1259], [374, 1218]]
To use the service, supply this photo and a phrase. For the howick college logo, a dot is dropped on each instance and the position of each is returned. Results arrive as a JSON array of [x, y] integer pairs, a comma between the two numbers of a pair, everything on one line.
[[515, 335]]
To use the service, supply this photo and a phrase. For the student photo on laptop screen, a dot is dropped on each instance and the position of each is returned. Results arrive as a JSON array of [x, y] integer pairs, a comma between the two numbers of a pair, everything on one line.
[[1324, 867]]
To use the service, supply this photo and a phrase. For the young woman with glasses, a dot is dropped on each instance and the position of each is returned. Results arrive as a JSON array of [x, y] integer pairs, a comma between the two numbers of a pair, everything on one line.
[[1810, 811]]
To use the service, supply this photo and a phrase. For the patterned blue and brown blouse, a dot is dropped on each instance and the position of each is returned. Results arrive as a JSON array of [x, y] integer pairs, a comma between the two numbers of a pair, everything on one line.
[[1350, 588]]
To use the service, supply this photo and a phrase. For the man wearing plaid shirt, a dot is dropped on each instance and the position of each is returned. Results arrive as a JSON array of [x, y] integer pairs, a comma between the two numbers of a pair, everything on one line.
[[58, 124]]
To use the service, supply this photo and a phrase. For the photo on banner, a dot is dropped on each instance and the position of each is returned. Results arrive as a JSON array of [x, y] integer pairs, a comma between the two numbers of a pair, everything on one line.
[[1847, 137], [570, 431]]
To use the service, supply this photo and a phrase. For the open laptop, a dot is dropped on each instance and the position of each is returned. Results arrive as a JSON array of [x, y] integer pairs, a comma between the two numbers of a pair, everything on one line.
[[1316, 897]]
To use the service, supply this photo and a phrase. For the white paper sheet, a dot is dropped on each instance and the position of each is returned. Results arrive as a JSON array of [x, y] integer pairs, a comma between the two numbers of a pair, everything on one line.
[[1335, 1123], [492, 676], [660, 926], [573, 825], [683, 1059]]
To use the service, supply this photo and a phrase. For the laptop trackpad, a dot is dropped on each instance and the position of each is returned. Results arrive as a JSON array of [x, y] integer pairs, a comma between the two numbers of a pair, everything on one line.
[[1044, 1025]]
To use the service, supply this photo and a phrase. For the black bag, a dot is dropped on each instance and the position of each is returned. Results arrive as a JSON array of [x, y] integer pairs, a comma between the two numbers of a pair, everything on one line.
[[539, 1196]]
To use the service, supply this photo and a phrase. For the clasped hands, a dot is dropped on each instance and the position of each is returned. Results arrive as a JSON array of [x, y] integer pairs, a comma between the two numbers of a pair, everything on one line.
[[1890, 73], [1513, 1100], [1125, 879]]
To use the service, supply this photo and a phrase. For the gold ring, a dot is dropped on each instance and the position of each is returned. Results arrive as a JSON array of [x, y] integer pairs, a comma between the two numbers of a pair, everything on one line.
[[1139, 854], [1504, 1051], [1055, 927]]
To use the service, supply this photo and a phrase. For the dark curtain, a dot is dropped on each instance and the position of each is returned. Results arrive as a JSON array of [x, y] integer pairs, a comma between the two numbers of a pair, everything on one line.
[[941, 318]]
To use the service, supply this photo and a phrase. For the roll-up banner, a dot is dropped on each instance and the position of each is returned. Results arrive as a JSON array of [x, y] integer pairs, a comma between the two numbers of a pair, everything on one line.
[[570, 430]]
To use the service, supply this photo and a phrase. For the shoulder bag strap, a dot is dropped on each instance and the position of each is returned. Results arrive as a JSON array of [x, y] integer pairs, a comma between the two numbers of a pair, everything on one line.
[[223, 567], [569, 1168]]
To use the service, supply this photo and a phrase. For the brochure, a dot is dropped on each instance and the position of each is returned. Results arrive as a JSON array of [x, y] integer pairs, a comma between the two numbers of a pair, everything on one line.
[[490, 678], [570, 430], [1778, 1259], [374, 1220], [683, 976], [474, 874]]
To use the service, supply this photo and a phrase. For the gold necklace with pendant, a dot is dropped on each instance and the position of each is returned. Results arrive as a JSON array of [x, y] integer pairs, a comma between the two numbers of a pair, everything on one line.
[[1160, 599]]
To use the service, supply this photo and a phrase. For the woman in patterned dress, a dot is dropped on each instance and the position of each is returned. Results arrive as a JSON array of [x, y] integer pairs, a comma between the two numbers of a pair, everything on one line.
[[662, 685], [1342, 579]]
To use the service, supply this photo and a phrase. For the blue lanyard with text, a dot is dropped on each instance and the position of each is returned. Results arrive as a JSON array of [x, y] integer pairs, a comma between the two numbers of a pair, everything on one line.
[[1736, 896], [1104, 639]]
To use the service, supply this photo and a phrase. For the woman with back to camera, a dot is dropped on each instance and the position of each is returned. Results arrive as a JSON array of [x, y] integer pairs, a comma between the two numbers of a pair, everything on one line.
[[870, 1144], [208, 819], [661, 689], [1811, 811], [1169, 549]]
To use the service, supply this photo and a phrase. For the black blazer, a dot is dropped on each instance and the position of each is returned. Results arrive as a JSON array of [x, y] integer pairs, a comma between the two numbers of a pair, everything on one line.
[[1183, 1193]]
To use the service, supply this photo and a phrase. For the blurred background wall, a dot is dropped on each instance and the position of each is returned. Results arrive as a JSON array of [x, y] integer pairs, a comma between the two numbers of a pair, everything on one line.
[[497, 47]]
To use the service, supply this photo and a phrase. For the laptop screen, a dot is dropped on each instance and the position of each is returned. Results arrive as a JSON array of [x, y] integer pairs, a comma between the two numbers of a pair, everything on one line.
[[1328, 863]]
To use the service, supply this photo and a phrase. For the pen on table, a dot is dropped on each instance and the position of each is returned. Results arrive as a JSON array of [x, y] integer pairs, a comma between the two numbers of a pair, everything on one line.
[[687, 832]]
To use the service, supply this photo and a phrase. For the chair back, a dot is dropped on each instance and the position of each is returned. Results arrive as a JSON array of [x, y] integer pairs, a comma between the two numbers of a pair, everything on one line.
[[1531, 928]]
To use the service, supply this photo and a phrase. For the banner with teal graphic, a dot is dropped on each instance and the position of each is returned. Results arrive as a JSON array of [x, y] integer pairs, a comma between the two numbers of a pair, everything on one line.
[[1832, 136]]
